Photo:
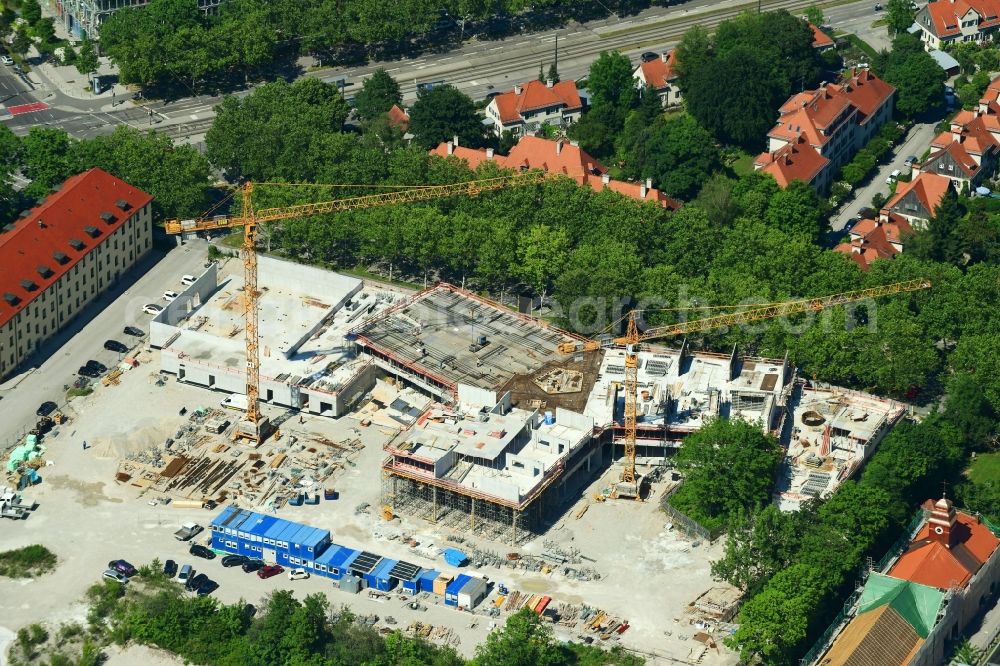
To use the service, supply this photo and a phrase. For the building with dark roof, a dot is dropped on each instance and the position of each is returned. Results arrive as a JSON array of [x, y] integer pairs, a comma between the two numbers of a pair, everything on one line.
[[59, 256]]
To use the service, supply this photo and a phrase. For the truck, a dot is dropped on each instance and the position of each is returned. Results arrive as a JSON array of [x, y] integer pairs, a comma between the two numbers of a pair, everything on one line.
[[187, 531]]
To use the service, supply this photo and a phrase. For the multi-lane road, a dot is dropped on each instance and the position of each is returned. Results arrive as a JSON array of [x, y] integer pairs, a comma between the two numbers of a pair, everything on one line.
[[476, 67]]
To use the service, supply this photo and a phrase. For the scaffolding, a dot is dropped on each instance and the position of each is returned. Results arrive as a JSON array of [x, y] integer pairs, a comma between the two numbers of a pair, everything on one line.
[[463, 511]]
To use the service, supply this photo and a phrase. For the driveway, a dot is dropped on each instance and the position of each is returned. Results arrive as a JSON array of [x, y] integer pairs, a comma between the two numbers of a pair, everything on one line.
[[918, 140]]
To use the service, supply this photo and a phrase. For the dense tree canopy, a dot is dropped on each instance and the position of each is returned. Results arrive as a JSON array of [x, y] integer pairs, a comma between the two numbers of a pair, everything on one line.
[[679, 155], [734, 82], [269, 134], [728, 468], [378, 94], [442, 113], [918, 79]]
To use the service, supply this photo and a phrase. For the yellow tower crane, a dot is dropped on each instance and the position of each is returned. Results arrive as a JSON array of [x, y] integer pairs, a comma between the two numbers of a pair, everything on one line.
[[628, 485], [253, 428]]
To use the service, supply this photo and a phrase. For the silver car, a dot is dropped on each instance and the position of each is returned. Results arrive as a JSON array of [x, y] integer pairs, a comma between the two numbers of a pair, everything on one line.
[[116, 576]]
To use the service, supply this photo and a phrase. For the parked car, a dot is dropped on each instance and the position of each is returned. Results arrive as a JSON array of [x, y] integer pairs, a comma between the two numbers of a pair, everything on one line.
[[207, 587], [185, 573], [866, 214], [234, 560], [252, 565], [123, 566], [200, 551], [46, 408], [270, 570], [169, 568], [649, 55], [6, 59], [188, 280], [133, 331], [297, 574], [910, 159], [170, 295], [892, 177], [115, 346], [117, 576], [87, 371], [195, 582], [878, 7], [249, 611], [152, 308], [100, 367]]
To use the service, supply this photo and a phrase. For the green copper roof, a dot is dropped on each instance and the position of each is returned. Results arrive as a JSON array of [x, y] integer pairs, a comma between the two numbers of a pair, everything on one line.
[[915, 603]]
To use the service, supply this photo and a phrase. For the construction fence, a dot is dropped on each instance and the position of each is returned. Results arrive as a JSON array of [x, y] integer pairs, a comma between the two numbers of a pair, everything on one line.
[[687, 525]]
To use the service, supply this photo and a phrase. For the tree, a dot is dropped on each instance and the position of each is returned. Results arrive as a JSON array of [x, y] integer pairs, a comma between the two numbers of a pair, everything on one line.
[[693, 52], [553, 73], [21, 42], [967, 409], [45, 30], [741, 107], [679, 155], [774, 625], [523, 641], [798, 209], [728, 467], [48, 159], [759, 545], [610, 81], [86, 61], [31, 11], [441, 113], [898, 16], [268, 134], [916, 75], [378, 94], [814, 15]]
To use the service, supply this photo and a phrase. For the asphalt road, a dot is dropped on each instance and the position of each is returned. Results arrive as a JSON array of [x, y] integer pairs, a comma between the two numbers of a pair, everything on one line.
[[56, 366], [916, 142], [476, 67]]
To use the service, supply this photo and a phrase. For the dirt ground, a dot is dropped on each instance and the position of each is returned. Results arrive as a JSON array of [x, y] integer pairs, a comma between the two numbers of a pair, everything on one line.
[[649, 574]]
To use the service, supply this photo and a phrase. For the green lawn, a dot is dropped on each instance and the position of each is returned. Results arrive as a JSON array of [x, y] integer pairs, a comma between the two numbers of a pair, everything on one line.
[[985, 468], [742, 165]]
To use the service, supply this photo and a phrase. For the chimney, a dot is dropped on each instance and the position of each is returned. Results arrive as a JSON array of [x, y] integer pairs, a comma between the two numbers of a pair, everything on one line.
[[883, 217], [942, 522], [518, 90], [454, 139], [642, 190], [605, 179], [559, 145], [451, 148], [956, 135], [575, 144], [981, 109], [489, 153], [664, 56], [548, 83]]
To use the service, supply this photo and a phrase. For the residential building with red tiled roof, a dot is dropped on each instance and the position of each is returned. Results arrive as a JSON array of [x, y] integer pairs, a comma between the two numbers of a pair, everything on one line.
[[564, 158], [821, 40], [794, 161], [398, 117], [917, 200], [529, 106], [880, 238], [835, 120], [660, 73], [966, 153], [911, 612], [61, 255], [950, 21]]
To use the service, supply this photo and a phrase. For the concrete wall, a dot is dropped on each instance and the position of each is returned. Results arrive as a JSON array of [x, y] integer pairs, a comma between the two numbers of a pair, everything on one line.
[[163, 328], [338, 403], [572, 419], [473, 396]]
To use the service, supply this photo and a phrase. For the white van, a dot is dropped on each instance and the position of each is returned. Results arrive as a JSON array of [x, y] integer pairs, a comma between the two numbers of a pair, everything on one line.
[[185, 574]]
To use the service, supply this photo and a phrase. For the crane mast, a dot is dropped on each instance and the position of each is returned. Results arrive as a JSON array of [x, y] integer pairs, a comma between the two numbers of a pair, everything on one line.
[[254, 427], [629, 485]]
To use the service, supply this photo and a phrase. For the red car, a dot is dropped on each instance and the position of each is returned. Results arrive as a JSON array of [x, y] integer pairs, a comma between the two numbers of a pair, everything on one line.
[[270, 570]]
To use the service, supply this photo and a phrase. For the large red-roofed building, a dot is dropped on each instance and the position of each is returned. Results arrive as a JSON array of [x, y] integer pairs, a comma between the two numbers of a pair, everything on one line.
[[818, 131], [59, 256], [950, 21]]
